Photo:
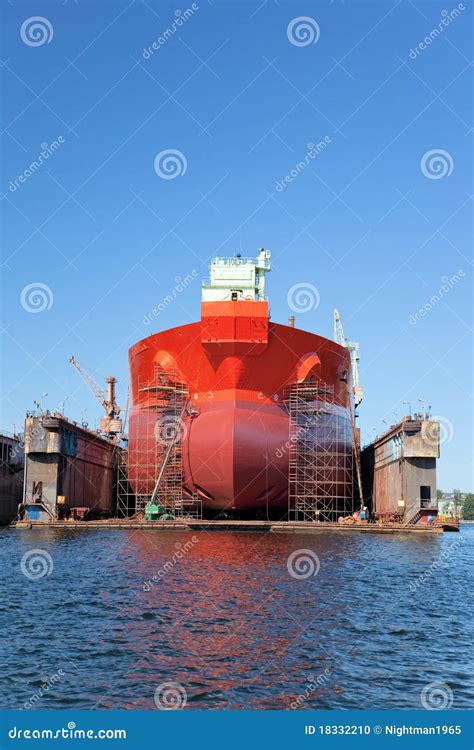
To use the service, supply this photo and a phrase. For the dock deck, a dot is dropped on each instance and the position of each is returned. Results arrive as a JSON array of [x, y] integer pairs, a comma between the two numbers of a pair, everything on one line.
[[278, 527]]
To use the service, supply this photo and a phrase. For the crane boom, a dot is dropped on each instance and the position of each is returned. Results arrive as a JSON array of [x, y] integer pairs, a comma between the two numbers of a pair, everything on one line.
[[109, 424], [353, 349], [98, 392], [338, 329]]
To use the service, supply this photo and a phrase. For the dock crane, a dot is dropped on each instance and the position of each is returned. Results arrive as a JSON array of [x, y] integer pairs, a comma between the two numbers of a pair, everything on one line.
[[353, 349], [110, 424]]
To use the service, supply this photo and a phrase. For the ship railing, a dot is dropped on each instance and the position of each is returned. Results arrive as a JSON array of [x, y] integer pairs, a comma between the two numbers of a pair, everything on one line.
[[232, 261]]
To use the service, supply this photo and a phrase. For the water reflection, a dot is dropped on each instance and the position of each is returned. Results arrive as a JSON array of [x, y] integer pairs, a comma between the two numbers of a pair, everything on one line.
[[219, 613]]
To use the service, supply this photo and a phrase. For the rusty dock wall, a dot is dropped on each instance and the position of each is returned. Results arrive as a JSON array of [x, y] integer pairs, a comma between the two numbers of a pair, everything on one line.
[[67, 467], [399, 472]]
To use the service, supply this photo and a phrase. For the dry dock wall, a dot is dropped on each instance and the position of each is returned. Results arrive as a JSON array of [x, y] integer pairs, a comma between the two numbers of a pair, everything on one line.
[[66, 467], [11, 476], [399, 471]]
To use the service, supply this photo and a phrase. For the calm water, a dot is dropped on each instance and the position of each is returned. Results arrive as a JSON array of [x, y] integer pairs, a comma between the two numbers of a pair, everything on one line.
[[228, 622]]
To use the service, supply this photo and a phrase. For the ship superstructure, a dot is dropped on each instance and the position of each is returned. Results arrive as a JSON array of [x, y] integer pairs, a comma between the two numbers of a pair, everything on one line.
[[237, 279]]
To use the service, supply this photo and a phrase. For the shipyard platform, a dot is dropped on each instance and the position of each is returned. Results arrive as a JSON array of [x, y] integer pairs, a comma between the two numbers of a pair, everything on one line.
[[279, 527]]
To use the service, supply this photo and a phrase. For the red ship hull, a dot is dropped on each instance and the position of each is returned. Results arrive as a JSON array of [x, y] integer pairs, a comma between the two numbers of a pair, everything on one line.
[[236, 368]]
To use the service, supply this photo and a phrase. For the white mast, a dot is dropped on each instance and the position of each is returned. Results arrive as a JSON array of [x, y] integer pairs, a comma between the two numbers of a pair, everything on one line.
[[353, 349]]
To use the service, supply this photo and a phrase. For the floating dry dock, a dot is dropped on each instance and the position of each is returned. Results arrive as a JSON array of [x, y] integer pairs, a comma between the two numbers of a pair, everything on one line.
[[281, 527], [68, 469], [234, 417]]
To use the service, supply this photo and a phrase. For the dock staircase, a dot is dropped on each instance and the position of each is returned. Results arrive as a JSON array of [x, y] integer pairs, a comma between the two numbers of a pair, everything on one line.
[[414, 514]]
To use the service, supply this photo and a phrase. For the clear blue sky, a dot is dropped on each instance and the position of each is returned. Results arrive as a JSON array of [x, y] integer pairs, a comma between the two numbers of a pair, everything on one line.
[[361, 222]]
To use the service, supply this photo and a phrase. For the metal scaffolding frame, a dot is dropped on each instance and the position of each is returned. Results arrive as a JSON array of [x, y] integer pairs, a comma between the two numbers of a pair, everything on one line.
[[321, 461], [154, 462], [125, 497]]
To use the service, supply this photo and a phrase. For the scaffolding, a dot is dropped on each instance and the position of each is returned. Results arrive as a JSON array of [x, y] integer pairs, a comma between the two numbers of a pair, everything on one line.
[[321, 470], [125, 497], [152, 468]]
